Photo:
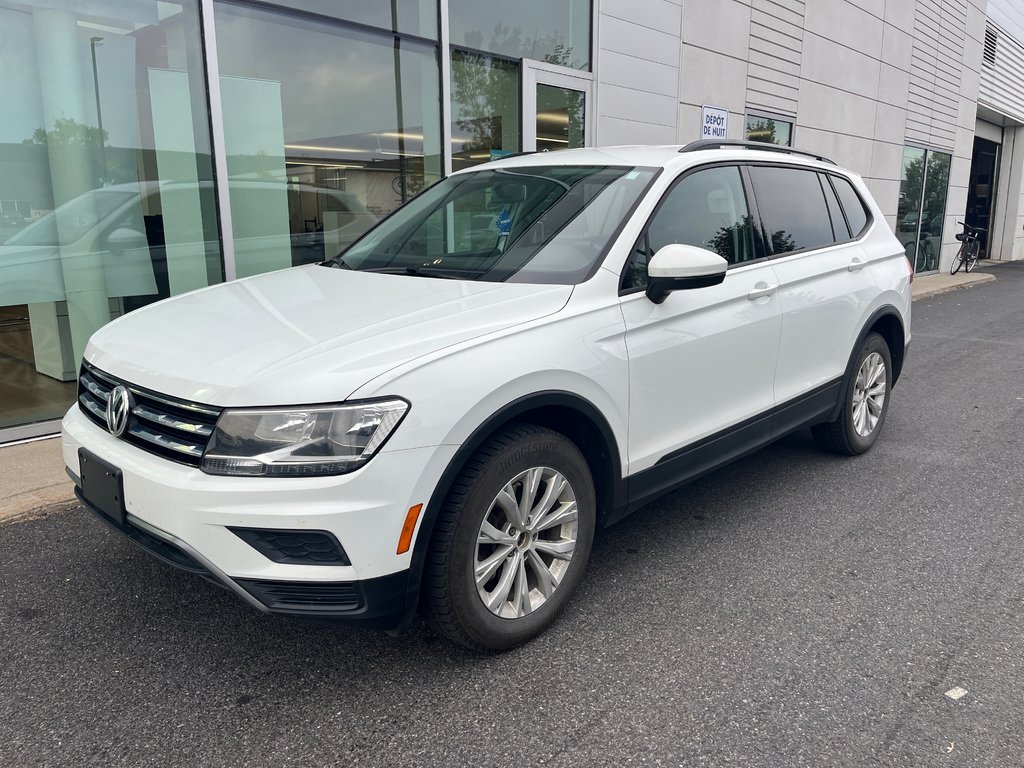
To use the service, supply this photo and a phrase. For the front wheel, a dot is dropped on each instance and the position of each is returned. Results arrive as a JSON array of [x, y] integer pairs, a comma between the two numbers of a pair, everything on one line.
[[866, 401], [972, 256], [512, 540], [958, 259]]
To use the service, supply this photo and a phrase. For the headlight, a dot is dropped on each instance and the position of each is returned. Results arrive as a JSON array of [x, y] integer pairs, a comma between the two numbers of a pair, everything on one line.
[[300, 442]]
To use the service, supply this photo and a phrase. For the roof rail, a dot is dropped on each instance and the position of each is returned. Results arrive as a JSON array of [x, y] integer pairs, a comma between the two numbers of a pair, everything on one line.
[[697, 146]]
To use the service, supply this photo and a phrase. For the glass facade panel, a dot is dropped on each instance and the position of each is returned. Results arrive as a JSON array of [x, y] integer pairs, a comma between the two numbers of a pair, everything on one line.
[[106, 192], [559, 118], [414, 17], [327, 127], [555, 31], [936, 185], [485, 109], [769, 130], [922, 205]]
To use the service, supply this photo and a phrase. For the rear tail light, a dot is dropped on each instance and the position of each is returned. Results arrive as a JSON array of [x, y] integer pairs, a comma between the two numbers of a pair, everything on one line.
[[910, 269]]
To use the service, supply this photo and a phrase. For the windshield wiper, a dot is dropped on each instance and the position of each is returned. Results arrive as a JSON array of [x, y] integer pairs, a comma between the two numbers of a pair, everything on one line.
[[414, 272], [337, 262]]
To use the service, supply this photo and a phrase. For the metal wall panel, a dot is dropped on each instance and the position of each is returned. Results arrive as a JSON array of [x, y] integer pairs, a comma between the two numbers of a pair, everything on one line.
[[940, 31], [1002, 81], [776, 45]]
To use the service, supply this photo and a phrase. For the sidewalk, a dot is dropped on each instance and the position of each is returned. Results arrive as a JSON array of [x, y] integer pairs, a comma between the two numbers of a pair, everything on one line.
[[33, 473], [943, 282], [32, 478]]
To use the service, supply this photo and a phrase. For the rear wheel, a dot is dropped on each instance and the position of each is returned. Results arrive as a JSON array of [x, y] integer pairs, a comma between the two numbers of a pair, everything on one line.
[[866, 402], [958, 259], [512, 540]]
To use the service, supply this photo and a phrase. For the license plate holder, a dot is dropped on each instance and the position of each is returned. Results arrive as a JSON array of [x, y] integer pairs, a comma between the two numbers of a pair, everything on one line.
[[102, 486]]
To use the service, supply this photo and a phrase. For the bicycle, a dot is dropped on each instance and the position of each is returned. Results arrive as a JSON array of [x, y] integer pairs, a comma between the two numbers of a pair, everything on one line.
[[970, 247]]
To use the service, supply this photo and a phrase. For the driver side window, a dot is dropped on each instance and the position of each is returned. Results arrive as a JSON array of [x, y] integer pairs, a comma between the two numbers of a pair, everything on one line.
[[707, 209]]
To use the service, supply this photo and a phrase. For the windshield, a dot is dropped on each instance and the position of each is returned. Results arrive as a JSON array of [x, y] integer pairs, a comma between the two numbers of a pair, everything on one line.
[[548, 224], [73, 219]]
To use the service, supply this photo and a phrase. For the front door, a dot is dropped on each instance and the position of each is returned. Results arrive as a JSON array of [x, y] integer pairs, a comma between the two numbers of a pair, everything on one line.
[[556, 107], [981, 190], [701, 364]]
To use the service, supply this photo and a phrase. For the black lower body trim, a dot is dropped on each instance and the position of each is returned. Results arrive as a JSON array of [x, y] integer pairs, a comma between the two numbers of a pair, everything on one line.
[[815, 407], [690, 463], [686, 464], [376, 603], [157, 547]]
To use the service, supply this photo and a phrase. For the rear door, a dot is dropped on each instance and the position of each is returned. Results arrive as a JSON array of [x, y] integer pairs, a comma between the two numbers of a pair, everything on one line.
[[702, 362], [824, 284]]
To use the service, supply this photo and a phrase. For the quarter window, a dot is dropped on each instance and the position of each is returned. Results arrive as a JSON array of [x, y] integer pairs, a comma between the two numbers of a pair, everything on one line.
[[852, 204], [835, 212], [792, 207]]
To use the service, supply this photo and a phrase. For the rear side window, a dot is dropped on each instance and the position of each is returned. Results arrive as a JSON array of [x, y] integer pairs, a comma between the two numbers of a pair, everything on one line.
[[852, 204], [842, 232], [792, 207]]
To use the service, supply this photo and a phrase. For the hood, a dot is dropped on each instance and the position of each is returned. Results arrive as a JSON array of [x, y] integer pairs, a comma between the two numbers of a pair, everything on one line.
[[305, 335]]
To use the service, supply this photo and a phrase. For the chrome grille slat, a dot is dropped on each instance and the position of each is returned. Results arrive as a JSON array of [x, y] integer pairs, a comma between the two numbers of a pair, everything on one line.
[[97, 391], [175, 429], [181, 404], [166, 441], [99, 412], [171, 422]]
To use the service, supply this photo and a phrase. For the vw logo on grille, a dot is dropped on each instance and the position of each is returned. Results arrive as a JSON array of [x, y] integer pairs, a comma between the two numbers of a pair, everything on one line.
[[119, 405]]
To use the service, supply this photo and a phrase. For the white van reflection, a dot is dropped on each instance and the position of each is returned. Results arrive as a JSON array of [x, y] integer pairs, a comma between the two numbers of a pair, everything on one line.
[[147, 239]]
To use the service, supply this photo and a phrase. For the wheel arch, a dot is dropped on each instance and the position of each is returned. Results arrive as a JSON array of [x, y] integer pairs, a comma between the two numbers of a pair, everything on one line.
[[565, 412], [888, 323]]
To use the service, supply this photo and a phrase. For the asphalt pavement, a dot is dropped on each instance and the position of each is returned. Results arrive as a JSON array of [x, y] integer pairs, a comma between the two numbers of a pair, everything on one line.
[[792, 609]]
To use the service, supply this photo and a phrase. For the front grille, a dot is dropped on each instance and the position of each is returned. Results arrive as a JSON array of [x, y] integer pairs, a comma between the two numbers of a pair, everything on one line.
[[305, 596], [294, 547], [167, 426]]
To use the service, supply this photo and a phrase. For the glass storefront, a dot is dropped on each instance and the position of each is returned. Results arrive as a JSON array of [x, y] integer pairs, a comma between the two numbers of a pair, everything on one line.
[[106, 184], [552, 31], [485, 109], [327, 128], [560, 118], [922, 205], [332, 117]]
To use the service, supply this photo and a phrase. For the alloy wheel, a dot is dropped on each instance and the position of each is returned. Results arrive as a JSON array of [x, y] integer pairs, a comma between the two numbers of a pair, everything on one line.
[[525, 543], [869, 394]]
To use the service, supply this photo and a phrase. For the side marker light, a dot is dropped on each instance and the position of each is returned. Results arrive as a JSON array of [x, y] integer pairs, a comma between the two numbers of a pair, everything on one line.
[[405, 540]]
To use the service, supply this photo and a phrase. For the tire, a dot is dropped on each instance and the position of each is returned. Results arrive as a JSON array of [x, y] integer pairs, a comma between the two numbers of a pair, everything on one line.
[[972, 256], [929, 255], [854, 432], [958, 259], [506, 552]]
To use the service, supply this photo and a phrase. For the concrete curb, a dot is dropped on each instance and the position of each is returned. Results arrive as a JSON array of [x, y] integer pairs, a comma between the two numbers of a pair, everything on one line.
[[48, 509], [33, 478], [933, 285]]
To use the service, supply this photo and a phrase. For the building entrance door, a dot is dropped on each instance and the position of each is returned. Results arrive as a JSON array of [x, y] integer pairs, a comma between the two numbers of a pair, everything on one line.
[[557, 111], [981, 189]]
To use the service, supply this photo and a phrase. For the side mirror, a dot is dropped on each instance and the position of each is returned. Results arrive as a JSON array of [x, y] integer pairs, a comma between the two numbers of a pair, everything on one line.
[[677, 267], [124, 238]]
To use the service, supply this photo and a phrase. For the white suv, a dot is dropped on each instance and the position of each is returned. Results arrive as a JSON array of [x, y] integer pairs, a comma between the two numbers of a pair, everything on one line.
[[442, 416]]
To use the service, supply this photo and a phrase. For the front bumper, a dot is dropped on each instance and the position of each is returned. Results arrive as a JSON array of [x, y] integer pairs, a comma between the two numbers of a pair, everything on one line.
[[184, 517]]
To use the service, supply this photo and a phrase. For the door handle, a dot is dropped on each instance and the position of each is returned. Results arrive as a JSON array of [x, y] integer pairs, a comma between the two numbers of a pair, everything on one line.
[[856, 264], [761, 290]]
